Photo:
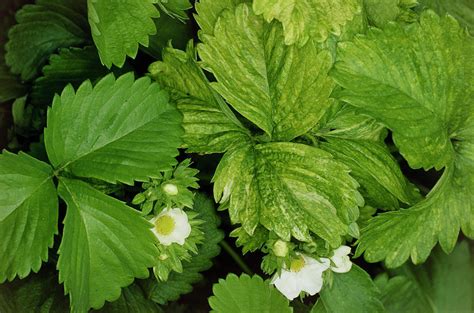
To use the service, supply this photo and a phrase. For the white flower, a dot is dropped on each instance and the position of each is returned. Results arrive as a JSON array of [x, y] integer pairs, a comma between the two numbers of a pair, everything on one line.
[[170, 189], [304, 274], [171, 226], [341, 260]]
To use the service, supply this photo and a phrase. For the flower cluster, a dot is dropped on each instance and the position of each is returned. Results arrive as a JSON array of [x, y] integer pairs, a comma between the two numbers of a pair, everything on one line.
[[306, 273]]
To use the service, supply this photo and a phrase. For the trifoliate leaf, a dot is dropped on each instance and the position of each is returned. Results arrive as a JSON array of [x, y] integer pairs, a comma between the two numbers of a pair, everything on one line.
[[308, 19], [284, 90], [209, 11], [176, 8], [181, 283], [343, 121], [462, 10], [210, 126], [28, 214], [291, 189], [105, 246], [42, 28], [69, 66], [133, 300], [247, 294], [352, 292], [421, 107], [427, 104], [443, 284], [120, 130], [118, 27], [376, 170]]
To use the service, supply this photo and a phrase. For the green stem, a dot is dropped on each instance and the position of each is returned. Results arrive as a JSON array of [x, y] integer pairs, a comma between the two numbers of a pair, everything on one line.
[[234, 255]]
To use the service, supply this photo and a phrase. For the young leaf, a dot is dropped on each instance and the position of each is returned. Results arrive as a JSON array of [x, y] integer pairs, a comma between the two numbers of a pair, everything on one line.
[[290, 189], [306, 19], [42, 28], [120, 130], [427, 106], [443, 284], [352, 292], [118, 27], [105, 246], [210, 126], [375, 169], [181, 283], [247, 294], [28, 214], [284, 90], [69, 66]]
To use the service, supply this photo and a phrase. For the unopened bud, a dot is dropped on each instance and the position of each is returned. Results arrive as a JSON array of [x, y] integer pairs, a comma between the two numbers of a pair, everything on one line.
[[170, 189], [280, 248]]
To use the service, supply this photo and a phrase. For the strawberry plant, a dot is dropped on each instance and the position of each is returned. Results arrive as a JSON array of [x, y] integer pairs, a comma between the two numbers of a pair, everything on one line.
[[237, 156]]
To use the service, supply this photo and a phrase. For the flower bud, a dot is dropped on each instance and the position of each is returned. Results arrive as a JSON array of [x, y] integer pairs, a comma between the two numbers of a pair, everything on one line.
[[170, 189], [280, 248]]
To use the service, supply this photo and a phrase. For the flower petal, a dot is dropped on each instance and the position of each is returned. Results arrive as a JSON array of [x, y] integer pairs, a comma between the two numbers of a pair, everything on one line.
[[288, 284]]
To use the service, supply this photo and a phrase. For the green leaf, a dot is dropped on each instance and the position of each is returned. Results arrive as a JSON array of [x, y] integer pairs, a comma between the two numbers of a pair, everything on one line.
[[133, 300], [176, 8], [181, 283], [352, 292], [423, 73], [39, 293], [170, 29], [28, 214], [209, 11], [345, 122], [118, 27], [381, 12], [284, 90], [210, 126], [120, 130], [382, 182], [395, 236], [43, 28], [308, 19], [69, 66], [247, 294], [290, 189], [462, 10], [427, 106], [105, 246], [443, 284], [10, 86]]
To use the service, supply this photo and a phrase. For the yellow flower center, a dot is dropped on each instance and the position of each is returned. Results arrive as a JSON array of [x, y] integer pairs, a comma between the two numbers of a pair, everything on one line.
[[164, 225], [297, 264]]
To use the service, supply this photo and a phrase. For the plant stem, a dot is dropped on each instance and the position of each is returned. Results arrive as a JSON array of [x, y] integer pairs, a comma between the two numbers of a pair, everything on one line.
[[236, 257]]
